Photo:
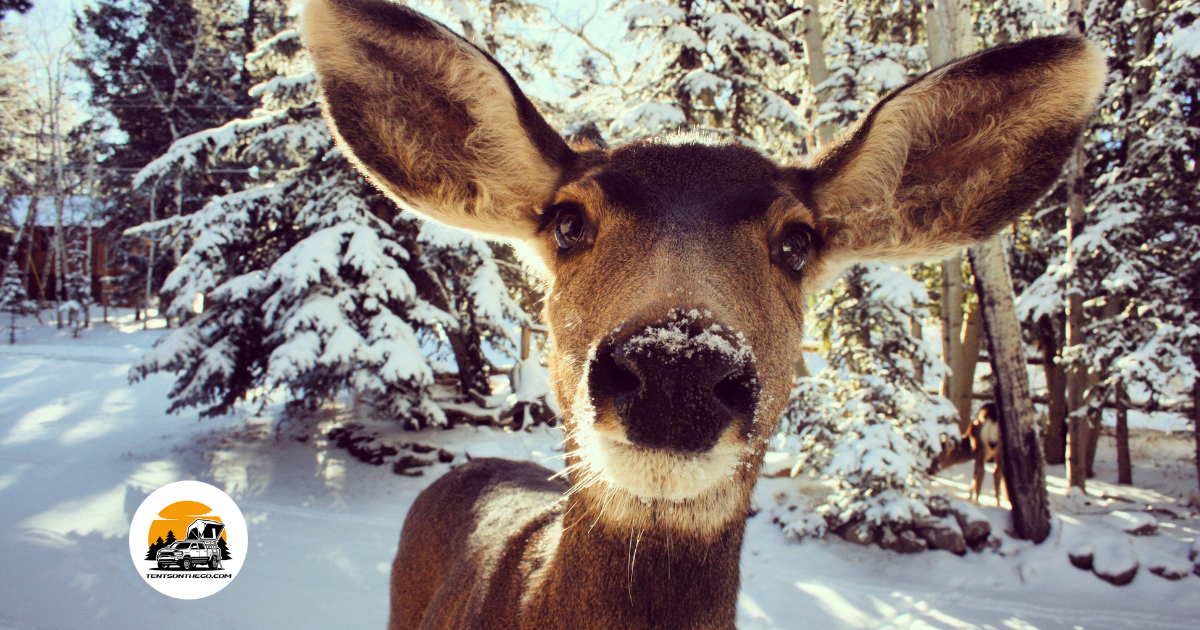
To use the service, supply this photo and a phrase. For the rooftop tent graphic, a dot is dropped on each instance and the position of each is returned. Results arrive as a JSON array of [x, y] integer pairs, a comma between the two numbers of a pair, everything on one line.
[[205, 529]]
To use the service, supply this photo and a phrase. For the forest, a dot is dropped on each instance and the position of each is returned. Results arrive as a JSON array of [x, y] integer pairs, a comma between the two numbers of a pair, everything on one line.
[[166, 171]]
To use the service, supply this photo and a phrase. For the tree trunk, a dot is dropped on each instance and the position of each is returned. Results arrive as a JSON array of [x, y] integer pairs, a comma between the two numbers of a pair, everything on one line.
[[948, 26], [150, 257], [248, 45], [952, 319], [60, 250], [1124, 467], [919, 368], [1020, 446], [1196, 418], [818, 72], [1077, 427], [972, 338], [1095, 419], [1055, 438]]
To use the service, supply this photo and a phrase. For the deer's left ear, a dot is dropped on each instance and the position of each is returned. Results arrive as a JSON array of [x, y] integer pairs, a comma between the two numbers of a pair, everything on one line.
[[431, 119], [953, 157]]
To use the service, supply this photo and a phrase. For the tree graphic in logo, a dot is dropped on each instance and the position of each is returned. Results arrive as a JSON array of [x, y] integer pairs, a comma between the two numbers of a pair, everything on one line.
[[203, 546]]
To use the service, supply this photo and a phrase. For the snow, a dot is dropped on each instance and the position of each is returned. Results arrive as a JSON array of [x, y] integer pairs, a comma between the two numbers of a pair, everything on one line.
[[1187, 40], [80, 448]]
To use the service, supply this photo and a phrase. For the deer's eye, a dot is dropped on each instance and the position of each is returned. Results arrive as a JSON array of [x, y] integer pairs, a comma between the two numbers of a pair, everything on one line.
[[569, 227], [796, 246]]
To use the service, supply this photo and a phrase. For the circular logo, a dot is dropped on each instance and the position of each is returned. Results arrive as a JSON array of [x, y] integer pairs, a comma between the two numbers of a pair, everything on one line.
[[188, 540]]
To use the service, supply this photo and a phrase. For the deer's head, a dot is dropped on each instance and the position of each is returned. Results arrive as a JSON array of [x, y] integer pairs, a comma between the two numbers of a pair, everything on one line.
[[677, 270]]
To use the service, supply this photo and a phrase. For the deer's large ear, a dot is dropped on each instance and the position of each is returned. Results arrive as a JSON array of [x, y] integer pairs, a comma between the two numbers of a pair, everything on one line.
[[432, 120], [953, 157]]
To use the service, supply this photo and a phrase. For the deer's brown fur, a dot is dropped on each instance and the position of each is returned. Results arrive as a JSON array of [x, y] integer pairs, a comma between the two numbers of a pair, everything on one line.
[[678, 268]]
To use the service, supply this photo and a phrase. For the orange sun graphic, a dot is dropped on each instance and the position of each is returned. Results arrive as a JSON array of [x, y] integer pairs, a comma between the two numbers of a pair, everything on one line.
[[176, 518]]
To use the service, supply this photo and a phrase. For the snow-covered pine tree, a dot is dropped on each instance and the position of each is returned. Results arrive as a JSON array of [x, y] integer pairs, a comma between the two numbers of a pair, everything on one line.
[[866, 421], [161, 70], [77, 284], [731, 69], [1141, 247], [311, 281], [871, 47], [13, 300]]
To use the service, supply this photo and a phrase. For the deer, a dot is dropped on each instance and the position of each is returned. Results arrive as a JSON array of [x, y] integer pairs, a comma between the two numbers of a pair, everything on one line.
[[676, 271], [984, 438]]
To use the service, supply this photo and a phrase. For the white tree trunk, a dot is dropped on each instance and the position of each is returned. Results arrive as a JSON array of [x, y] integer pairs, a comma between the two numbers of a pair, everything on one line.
[[818, 72], [948, 26]]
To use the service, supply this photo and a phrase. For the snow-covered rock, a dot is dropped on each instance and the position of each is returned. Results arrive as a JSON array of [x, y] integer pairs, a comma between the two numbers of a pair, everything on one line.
[[906, 542], [1134, 523], [974, 523], [1081, 556], [944, 533], [1169, 567], [1115, 561]]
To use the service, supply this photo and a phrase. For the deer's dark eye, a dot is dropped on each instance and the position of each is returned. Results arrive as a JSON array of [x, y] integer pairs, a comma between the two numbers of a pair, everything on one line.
[[796, 246], [569, 227]]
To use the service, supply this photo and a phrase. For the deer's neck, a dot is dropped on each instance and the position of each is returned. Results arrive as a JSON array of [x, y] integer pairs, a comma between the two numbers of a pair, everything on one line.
[[603, 577]]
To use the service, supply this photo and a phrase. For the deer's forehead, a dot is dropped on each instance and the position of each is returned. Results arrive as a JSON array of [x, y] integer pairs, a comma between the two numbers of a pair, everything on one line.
[[676, 185]]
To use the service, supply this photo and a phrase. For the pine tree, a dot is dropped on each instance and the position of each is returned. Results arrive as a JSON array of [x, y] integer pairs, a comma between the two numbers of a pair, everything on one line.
[[722, 68], [160, 71], [13, 299], [224, 549], [1144, 338], [154, 549], [170, 537], [866, 421], [313, 282]]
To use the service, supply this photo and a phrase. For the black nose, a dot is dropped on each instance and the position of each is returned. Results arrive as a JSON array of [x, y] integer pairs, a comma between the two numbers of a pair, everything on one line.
[[676, 385]]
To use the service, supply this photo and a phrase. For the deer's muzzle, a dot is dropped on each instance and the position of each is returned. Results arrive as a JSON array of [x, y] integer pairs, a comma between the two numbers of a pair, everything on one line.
[[676, 384]]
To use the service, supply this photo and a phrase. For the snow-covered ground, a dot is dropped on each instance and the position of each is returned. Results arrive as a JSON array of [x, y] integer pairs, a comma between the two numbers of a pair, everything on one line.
[[80, 449]]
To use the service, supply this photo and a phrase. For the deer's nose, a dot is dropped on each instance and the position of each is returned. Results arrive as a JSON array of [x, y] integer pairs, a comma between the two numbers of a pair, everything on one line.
[[676, 385]]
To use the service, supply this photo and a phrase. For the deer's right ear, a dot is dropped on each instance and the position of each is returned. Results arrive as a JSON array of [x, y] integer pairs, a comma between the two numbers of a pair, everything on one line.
[[432, 120]]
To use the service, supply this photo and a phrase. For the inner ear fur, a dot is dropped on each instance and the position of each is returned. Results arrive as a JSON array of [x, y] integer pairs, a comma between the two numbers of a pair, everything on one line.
[[953, 157], [431, 119]]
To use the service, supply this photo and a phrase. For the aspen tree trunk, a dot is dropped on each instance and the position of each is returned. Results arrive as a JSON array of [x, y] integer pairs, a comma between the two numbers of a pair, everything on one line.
[[972, 339], [948, 26], [60, 243], [952, 320], [1024, 468], [90, 266], [818, 72], [1077, 426], [919, 368]]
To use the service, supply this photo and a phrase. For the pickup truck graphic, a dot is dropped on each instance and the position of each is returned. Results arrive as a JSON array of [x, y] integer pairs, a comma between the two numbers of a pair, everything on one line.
[[200, 547]]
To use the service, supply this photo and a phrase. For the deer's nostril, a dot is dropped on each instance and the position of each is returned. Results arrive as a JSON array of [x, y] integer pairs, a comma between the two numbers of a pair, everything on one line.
[[738, 392], [611, 379]]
